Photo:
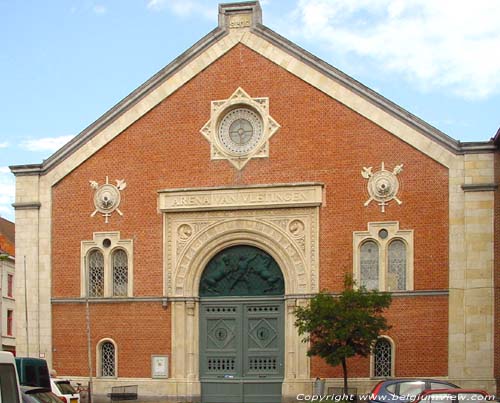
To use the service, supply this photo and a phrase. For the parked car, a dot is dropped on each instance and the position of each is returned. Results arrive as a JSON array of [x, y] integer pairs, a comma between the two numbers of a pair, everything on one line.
[[405, 390], [9, 381], [33, 372], [455, 396], [63, 389], [37, 394]]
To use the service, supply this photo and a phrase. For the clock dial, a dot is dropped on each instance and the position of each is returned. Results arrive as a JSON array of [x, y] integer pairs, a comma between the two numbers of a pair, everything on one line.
[[240, 131]]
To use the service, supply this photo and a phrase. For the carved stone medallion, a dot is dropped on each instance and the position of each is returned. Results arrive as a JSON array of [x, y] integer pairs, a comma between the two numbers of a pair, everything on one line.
[[240, 131], [383, 185], [239, 128], [107, 197]]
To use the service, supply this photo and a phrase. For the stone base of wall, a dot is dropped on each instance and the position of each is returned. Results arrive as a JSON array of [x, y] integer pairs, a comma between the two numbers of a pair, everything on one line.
[[171, 391]]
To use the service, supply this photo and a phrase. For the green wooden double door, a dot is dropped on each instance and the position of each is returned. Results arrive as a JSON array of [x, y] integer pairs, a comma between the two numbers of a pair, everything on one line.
[[241, 350]]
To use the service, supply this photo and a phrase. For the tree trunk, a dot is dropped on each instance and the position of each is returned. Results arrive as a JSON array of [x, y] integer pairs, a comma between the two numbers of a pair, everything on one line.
[[344, 370]]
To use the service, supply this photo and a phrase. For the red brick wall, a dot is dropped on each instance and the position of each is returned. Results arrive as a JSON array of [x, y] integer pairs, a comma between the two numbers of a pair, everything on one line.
[[139, 330], [320, 140], [420, 334]]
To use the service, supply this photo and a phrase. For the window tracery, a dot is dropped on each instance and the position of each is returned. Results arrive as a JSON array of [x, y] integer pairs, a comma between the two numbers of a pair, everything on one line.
[[107, 266], [383, 257], [106, 359], [383, 358]]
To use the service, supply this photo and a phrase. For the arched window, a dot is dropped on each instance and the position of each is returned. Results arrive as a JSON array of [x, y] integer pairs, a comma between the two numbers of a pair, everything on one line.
[[108, 359], [383, 257], [382, 358], [397, 266], [107, 266], [369, 265], [120, 273], [96, 274]]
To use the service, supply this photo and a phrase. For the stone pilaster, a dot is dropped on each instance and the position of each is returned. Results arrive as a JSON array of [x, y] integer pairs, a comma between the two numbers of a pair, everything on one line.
[[471, 272]]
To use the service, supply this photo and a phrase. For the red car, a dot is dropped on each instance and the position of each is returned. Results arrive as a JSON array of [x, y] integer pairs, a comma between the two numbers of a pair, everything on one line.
[[454, 396]]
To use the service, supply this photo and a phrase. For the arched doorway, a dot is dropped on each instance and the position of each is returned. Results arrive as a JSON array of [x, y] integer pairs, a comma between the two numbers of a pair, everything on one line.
[[241, 327]]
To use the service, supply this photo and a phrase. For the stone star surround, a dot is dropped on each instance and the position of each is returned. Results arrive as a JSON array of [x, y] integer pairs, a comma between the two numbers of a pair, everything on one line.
[[220, 109]]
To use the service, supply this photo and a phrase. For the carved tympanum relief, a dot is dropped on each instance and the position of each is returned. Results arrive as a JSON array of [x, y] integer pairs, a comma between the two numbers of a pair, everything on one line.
[[241, 270], [239, 128], [107, 197], [383, 185]]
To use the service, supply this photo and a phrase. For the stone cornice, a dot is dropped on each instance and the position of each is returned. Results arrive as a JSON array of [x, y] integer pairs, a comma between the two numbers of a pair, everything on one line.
[[165, 300], [27, 206], [83, 300], [480, 187]]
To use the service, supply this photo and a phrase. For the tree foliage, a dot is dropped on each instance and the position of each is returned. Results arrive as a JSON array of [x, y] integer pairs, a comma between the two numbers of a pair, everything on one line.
[[343, 326]]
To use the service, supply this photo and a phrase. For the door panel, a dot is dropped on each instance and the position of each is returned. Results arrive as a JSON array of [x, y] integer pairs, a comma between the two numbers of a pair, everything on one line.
[[241, 352]]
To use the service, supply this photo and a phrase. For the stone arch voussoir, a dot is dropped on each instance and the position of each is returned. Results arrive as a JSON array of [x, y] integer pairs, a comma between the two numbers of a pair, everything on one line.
[[263, 235]]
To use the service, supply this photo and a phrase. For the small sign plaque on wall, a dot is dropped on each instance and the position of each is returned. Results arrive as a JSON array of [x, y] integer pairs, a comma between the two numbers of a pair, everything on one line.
[[159, 366]]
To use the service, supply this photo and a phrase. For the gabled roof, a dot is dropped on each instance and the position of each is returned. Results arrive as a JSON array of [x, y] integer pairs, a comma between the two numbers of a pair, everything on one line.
[[226, 13], [496, 137], [7, 236]]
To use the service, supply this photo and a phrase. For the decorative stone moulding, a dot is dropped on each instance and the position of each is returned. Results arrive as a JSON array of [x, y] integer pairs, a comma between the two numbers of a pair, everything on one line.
[[107, 197], [383, 185], [289, 235], [239, 129]]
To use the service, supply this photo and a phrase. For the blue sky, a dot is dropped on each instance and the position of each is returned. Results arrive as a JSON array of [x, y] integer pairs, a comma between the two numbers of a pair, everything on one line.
[[63, 63]]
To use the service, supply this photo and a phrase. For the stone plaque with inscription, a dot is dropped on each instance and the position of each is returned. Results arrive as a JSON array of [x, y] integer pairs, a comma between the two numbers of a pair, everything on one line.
[[307, 195]]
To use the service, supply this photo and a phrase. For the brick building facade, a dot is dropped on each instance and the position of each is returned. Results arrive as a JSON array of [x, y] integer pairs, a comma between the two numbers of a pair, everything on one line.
[[7, 302], [246, 139]]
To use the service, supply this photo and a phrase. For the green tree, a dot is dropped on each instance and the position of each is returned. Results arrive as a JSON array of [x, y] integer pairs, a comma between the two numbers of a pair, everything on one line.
[[343, 326]]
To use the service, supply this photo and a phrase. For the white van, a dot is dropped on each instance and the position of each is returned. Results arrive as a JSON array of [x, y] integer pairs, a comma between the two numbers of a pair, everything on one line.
[[9, 382]]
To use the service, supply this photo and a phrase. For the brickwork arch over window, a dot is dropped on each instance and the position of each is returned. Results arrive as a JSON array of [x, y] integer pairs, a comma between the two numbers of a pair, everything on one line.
[[107, 265], [383, 257], [383, 358], [107, 359]]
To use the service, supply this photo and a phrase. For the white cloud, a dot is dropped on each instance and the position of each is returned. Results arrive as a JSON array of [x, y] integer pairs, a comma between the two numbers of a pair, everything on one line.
[[99, 9], [446, 43], [4, 144], [7, 193], [46, 143], [185, 8]]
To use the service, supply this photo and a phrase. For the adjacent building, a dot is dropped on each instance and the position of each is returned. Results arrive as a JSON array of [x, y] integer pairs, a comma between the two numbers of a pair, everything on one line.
[[187, 223], [7, 269]]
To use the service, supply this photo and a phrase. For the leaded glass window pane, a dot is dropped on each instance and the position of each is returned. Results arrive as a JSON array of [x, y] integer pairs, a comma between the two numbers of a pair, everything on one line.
[[369, 265], [107, 359], [96, 274], [397, 266], [120, 273], [382, 355]]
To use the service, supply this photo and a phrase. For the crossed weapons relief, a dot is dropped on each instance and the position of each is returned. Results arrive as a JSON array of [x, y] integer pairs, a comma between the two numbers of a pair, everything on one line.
[[107, 197], [383, 185]]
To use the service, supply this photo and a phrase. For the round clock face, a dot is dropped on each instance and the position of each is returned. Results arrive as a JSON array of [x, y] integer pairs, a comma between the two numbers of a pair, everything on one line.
[[240, 131]]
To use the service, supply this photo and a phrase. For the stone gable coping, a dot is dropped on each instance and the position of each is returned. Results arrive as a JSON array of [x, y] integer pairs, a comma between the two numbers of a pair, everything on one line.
[[215, 37]]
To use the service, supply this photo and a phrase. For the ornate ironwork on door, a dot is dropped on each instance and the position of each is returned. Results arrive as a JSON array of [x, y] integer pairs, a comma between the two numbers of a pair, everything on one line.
[[241, 351], [241, 271]]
